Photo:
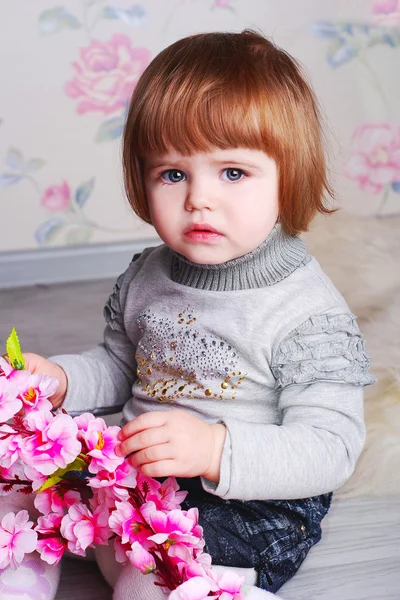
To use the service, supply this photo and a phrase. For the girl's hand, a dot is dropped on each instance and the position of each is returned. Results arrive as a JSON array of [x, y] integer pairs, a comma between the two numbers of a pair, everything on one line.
[[37, 364], [173, 443]]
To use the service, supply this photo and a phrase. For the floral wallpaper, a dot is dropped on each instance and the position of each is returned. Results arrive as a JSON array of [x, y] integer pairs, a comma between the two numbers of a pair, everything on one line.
[[68, 72]]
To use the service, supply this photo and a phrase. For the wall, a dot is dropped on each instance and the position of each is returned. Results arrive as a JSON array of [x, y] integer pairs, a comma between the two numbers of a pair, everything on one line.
[[68, 69]]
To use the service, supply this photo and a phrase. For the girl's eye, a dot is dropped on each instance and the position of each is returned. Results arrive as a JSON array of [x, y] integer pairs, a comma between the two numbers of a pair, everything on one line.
[[232, 174], [173, 176]]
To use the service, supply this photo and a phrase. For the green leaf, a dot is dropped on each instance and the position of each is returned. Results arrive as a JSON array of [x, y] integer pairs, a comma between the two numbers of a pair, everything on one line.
[[7, 179], [110, 129], [34, 164], [13, 350], [77, 465], [84, 191], [78, 235], [46, 232], [56, 19], [14, 159]]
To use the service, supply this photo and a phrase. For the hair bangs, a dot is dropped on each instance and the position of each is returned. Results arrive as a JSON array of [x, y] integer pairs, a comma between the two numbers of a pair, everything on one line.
[[199, 121]]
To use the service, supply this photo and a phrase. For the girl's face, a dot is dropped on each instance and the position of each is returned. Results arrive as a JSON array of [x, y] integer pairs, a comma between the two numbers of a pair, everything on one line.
[[214, 206]]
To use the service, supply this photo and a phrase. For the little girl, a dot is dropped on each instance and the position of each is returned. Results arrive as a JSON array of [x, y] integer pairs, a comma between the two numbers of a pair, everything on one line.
[[238, 366]]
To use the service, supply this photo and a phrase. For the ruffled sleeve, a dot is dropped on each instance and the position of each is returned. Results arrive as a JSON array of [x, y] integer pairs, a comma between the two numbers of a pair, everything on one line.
[[112, 309], [113, 313], [327, 347]]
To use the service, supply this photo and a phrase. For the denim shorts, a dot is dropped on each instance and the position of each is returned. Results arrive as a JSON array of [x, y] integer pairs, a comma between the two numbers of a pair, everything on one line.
[[272, 536]]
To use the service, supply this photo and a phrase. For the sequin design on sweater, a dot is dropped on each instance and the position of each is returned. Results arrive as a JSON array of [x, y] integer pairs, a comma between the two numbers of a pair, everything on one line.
[[175, 360]]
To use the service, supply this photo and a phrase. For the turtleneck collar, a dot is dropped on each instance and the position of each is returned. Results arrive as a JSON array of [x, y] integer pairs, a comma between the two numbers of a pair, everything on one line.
[[276, 258]]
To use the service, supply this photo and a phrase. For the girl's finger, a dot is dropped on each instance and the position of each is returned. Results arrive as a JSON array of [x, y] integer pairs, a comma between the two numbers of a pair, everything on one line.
[[145, 421], [162, 468], [154, 454], [142, 440]]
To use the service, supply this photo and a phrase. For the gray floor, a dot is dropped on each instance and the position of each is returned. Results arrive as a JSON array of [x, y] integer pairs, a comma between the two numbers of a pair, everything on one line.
[[359, 555]]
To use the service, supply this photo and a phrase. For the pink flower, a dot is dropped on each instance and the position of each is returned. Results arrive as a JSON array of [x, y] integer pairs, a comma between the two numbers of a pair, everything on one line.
[[9, 446], [38, 479], [83, 421], [53, 500], [6, 369], [9, 403], [384, 6], [196, 588], [387, 12], [140, 558], [124, 476], [178, 530], [229, 584], [100, 442], [128, 523], [106, 74], [81, 528], [120, 551], [375, 156], [222, 4], [16, 538], [106, 496], [165, 495], [53, 444], [56, 197], [34, 390], [52, 546]]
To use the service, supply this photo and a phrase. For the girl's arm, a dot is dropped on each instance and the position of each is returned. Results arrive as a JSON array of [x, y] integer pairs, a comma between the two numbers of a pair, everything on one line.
[[320, 375], [100, 380]]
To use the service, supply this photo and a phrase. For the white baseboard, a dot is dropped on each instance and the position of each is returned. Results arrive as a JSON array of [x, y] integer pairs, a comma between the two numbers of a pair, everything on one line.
[[73, 263]]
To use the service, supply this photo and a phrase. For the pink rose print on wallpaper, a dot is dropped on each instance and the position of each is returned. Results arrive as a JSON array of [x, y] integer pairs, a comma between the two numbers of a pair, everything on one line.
[[57, 197], [106, 72], [387, 12], [374, 160], [105, 77], [70, 220], [374, 155]]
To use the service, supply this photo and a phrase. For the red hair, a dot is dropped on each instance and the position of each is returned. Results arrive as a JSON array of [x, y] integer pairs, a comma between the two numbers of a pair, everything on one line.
[[230, 90]]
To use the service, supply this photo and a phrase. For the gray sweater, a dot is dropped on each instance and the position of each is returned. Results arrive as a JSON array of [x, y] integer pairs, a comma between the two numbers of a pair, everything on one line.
[[263, 343]]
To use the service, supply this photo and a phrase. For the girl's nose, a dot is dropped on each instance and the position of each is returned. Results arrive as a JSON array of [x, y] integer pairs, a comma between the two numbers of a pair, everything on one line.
[[199, 198]]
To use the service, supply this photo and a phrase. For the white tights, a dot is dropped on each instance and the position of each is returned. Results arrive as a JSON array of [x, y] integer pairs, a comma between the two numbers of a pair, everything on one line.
[[130, 584]]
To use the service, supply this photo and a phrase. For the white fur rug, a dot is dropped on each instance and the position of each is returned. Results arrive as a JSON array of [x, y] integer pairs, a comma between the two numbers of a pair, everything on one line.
[[362, 258]]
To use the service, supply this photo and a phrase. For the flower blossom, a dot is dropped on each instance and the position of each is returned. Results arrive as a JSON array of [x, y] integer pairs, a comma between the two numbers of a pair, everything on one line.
[[9, 446], [387, 12], [178, 530], [165, 495], [375, 156], [124, 476], [128, 523], [106, 74], [81, 528], [16, 538], [53, 443], [229, 585], [10, 404], [196, 588], [100, 442], [51, 547], [57, 197], [35, 390], [140, 558], [53, 500]]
